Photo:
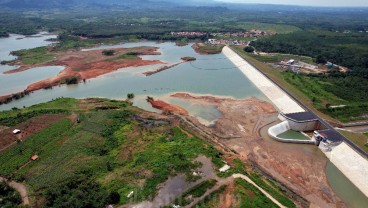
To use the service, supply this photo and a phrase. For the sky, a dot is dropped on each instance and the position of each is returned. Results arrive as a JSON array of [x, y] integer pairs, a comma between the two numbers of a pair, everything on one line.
[[334, 3]]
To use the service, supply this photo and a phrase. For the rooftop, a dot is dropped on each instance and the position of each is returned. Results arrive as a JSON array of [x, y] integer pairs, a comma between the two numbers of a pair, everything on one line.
[[332, 135], [302, 116]]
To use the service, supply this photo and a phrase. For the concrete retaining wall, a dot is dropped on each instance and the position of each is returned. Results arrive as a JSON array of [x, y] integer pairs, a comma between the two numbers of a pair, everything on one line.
[[282, 127], [350, 163], [301, 126]]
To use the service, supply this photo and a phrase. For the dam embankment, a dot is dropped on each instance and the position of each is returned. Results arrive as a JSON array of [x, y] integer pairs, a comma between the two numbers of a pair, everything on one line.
[[278, 97], [353, 165]]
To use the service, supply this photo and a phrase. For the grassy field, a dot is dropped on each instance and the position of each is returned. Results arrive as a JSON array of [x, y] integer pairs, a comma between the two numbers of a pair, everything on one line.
[[242, 194], [359, 139], [276, 58], [34, 56], [210, 49], [58, 106]]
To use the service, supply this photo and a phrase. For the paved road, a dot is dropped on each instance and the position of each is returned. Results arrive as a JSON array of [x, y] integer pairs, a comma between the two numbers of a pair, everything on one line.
[[329, 126], [20, 188]]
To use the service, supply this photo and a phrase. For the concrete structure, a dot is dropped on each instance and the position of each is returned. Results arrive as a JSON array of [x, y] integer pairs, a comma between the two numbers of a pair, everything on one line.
[[278, 97], [341, 151], [349, 162], [302, 121], [282, 127]]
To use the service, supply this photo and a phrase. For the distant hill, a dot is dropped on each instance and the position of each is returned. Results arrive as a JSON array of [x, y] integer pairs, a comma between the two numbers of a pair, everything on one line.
[[46, 4]]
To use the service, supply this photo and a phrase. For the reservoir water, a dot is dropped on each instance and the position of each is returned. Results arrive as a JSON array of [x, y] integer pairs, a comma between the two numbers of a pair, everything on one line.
[[290, 134], [18, 42], [346, 190], [210, 74]]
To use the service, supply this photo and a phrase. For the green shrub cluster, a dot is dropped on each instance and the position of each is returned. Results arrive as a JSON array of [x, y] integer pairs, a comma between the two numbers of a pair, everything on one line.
[[21, 117], [9, 197]]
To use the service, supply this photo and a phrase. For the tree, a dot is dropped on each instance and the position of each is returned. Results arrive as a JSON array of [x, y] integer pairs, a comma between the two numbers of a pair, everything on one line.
[[8, 196], [249, 49], [321, 59], [78, 191], [108, 166], [108, 52], [130, 96], [114, 198]]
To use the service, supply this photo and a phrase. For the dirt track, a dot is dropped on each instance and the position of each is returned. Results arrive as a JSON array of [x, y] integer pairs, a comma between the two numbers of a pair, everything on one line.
[[243, 129], [20, 188]]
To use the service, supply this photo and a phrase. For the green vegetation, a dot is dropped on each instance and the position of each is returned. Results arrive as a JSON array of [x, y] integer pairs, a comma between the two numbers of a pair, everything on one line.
[[108, 52], [277, 57], [271, 188], [109, 146], [68, 41], [130, 95], [212, 199], [70, 80], [251, 196], [9, 197], [182, 42], [267, 27], [59, 104], [201, 188], [34, 56], [349, 50], [125, 56], [249, 49], [3, 34], [209, 49], [78, 191], [334, 88], [196, 191], [359, 139], [188, 58], [266, 184], [39, 144], [23, 116], [322, 91]]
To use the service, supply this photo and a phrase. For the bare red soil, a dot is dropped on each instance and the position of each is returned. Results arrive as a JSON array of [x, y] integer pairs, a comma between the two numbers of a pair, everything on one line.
[[28, 128], [87, 65], [165, 107]]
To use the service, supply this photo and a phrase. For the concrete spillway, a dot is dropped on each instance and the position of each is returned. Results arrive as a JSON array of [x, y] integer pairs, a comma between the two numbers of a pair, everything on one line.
[[349, 162], [278, 97], [282, 127]]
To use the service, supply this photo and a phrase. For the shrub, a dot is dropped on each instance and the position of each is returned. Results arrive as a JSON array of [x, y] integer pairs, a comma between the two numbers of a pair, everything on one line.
[[108, 52], [249, 49]]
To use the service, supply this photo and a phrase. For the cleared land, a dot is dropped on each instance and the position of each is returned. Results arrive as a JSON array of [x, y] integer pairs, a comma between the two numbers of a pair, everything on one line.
[[79, 65], [243, 130]]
